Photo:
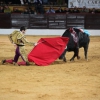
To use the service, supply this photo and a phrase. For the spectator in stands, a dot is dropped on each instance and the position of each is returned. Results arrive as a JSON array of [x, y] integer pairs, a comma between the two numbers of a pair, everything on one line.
[[84, 10], [31, 11], [16, 10], [67, 10], [75, 10], [7, 9], [59, 10], [50, 10], [1, 9], [93, 11], [26, 11], [39, 9]]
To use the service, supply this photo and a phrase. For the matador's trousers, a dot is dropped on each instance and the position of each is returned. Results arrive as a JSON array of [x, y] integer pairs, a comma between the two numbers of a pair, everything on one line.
[[20, 51]]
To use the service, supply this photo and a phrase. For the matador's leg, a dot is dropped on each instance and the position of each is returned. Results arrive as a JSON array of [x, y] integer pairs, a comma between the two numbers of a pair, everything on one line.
[[23, 56]]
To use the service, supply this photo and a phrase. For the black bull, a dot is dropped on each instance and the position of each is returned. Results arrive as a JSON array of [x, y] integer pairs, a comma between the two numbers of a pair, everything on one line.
[[84, 40]]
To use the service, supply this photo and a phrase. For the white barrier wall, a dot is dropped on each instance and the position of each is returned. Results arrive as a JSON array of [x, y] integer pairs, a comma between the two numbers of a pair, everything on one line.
[[46, 32]]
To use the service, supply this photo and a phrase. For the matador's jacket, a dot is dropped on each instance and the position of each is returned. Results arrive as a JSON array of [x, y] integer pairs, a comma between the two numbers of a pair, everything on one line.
[[18, 38]]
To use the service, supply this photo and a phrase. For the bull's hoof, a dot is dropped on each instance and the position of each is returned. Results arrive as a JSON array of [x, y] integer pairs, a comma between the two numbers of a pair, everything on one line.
[[64, 59], [71, 59], [60, 57], [87, 60], [78, 57]]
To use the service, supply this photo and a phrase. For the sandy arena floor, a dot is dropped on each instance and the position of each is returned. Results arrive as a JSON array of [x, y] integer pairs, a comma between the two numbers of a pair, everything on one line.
[[78, 80]]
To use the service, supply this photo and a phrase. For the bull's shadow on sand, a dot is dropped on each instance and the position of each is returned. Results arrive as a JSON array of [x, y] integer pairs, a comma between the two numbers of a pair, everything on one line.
[[58, 62]]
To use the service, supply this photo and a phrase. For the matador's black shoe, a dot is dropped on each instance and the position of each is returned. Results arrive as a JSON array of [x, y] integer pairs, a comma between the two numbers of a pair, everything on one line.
[[3, 61], [27, 63]]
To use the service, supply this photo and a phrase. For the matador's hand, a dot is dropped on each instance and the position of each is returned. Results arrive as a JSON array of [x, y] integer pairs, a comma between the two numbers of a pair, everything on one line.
[[15, 45], [35, 44]]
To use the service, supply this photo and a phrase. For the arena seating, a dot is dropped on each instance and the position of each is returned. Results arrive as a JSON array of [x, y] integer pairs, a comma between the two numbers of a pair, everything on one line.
[[49, 21]]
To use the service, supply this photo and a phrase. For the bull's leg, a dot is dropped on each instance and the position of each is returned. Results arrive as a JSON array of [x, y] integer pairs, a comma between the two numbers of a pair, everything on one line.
[[72, 59], [85, 51], [76, 54], [63, 55]]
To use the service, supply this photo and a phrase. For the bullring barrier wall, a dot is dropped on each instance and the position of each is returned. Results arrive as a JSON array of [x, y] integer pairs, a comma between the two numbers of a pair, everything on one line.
[[46, 32]]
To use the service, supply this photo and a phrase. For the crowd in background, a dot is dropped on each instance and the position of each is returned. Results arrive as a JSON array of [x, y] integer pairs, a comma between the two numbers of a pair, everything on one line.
[[39, 8], [22, 2]]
